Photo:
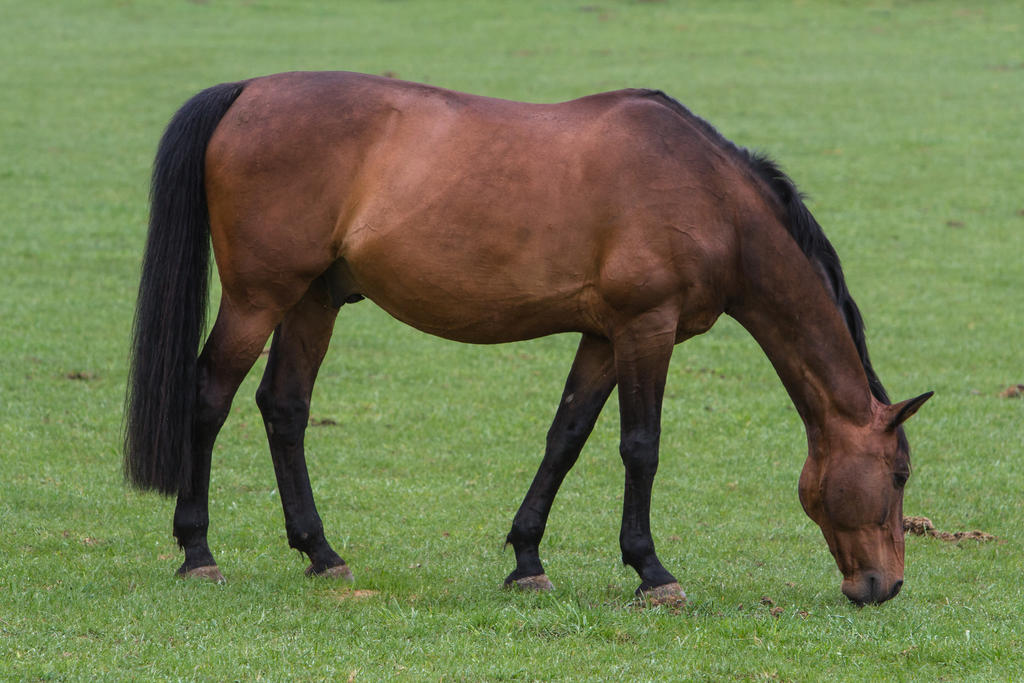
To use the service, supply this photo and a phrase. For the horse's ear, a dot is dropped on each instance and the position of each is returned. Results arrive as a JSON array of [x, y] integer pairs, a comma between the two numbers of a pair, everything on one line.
[[901, 412]]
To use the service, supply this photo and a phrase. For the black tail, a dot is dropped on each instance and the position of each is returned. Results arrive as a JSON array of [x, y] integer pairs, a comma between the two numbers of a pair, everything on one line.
[[170, 315]]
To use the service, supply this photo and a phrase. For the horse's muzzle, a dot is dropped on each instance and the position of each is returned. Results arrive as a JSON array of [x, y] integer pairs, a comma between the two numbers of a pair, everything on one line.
[[870, 588]]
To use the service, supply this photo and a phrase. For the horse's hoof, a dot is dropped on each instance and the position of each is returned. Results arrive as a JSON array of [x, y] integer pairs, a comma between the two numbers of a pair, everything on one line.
[[338, 571], [667, 594], [210, 572], [538, 583]]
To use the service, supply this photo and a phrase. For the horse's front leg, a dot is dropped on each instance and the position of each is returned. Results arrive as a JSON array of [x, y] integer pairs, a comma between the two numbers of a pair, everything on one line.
[[587, 388], [643, 349], [299, 345]]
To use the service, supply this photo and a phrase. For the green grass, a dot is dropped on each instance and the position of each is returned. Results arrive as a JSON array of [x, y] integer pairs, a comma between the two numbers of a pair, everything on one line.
[[900, 119]]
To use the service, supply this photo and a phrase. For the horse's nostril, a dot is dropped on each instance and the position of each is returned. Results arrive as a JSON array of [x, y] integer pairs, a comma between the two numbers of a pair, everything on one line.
[[870, 588]]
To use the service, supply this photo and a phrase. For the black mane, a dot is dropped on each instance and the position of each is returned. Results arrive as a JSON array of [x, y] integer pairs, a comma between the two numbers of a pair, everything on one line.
[[812, 241], [803, 228]]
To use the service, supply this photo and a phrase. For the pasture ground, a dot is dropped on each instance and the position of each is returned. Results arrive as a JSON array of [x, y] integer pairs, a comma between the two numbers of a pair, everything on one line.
[[900, 119]]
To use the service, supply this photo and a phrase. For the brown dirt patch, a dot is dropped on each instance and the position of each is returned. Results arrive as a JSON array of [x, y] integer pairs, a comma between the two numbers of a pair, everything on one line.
[[773, 609], [82, 376], [919, 526], [960, 535], [1012, 391], [922, 526]]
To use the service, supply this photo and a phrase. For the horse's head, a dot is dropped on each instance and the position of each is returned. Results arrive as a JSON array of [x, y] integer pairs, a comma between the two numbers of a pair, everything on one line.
[[852, 487]]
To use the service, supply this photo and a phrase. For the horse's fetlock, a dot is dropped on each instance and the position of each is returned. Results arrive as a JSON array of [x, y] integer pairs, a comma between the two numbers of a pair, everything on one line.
[[190, 527], [524, 533], [637, 551], [306, 537]]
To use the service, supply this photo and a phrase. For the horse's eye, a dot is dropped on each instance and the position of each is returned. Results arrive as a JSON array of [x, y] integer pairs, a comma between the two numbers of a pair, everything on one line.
[[899, 479]]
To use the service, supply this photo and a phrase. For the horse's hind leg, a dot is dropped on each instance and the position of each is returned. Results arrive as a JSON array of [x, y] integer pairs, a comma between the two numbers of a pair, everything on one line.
[[587, 388], [233, 346], [299, 345]]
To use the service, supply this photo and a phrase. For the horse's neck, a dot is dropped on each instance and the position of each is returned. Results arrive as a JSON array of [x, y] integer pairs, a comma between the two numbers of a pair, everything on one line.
[[786, 308]]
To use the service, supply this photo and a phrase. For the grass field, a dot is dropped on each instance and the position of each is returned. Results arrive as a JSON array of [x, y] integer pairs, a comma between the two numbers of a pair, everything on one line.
[[901, 120]]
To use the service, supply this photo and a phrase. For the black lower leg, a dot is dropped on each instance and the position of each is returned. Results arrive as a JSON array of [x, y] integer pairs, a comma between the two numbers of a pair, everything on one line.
[[286, 423], [531, 518], [587, 388], [642, 353], [305, 529], [525, 541], [299, 345], [640, 456], [191, 513], [191, 522]]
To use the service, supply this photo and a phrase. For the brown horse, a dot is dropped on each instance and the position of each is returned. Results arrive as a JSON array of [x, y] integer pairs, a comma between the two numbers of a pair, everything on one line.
[[620, 216]]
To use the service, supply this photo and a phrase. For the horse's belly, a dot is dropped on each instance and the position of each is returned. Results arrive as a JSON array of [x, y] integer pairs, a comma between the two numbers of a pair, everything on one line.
[[477, 317], [476, 296]]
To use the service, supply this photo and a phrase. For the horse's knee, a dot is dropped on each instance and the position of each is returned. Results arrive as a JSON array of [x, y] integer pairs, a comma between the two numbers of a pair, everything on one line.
[[639, 451]]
